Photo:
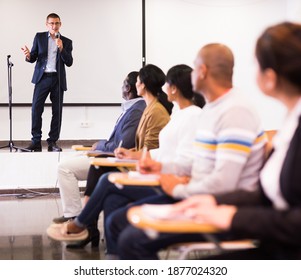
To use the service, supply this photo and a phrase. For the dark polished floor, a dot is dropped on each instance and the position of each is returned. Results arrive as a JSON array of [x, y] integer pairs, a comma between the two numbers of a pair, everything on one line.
[[25, 214], [23, 224], [24, 219]]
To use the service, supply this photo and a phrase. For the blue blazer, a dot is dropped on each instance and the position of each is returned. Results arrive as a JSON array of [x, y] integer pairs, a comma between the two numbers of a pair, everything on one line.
[[125, 129], [39, 54]]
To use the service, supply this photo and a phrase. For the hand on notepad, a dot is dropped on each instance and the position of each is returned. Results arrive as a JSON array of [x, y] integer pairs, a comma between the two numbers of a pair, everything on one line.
[[122, 153], [203, 209], [145, 177], [147, 165]]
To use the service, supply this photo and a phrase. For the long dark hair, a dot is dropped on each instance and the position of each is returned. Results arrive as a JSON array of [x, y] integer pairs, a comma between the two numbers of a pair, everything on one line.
[[154, 78], [279, 48], [180, 76]]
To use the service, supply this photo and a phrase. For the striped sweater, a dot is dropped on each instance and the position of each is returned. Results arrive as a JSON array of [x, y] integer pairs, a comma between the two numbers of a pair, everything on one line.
[[229, 148]]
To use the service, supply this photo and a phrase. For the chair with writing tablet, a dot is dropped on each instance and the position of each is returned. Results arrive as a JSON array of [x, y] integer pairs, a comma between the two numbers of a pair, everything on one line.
[[92, 153], [124, 165], [81, 148], [152, 219], [134, 178], [152, 226]]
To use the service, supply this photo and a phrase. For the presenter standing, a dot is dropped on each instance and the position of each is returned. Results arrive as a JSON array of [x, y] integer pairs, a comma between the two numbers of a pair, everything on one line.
[[51, 52]]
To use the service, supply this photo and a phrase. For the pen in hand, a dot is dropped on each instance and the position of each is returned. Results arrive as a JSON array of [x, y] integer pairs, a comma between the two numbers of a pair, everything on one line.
[[141, 163], [118, 152], [120, 144], [144, 153]]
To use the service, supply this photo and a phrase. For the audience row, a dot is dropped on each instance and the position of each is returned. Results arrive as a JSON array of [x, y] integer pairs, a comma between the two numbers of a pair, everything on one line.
[[211, 163]]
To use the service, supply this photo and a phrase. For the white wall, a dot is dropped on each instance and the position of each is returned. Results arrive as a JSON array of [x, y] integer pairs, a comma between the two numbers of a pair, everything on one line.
[[101, 121], [182, 27], [106, 38], [176, 29], [106, 45]]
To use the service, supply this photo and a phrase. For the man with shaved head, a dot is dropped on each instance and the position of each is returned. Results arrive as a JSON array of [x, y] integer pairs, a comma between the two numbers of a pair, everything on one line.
[[229, 152], [219, 59]]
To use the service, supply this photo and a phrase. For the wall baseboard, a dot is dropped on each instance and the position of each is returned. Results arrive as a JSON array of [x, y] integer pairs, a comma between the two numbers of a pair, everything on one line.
[[37, 191], [63, 143]]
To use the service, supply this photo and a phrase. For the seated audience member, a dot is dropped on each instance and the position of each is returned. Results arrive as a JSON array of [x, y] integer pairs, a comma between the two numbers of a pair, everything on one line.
[[156, 115], [75, 169], [270, 214], [175, 148], [176, 135], [229, 152]]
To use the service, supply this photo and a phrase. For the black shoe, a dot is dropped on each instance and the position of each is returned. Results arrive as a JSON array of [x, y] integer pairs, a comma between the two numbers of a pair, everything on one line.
[[33, 147], [62, 219], [53, 147], [94, 237]]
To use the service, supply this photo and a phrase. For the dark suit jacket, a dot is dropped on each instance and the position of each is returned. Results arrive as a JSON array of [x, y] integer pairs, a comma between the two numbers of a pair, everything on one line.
[[278, 231], [125, 129], [39, 54]]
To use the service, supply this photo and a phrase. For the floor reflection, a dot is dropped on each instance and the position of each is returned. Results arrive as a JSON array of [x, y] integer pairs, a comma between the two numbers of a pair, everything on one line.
[[23, 224]]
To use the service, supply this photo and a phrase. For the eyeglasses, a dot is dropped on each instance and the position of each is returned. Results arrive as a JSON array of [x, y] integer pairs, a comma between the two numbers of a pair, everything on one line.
[[54, 23]]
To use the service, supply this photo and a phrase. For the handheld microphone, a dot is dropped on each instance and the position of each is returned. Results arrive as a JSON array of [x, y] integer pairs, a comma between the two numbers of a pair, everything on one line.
[[57, 36]]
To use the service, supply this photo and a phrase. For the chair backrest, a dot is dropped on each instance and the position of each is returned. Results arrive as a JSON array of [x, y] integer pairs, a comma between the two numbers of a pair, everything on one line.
[[270, 134]]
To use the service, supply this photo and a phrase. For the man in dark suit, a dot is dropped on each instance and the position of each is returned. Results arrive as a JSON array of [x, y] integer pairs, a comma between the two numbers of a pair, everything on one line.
[[51, 52]]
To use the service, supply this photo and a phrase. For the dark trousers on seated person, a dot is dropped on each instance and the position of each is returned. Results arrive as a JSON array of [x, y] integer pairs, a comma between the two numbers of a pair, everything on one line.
[[117, 221], [135, 244], [129, 242], [107, 197], [94, 173]]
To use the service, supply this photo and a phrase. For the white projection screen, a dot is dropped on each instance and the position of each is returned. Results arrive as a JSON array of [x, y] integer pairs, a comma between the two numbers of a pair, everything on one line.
[[107, 44]]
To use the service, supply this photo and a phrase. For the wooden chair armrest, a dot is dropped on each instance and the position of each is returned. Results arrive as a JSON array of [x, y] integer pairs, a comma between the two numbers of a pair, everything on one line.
[[125, 179], [81, 148], [123, 166], [139, 219]]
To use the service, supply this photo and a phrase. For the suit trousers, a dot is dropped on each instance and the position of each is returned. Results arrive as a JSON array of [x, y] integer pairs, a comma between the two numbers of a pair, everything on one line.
[[48, 84]]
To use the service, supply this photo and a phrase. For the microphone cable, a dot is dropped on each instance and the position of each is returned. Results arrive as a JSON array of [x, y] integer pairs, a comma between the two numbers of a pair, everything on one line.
[[57, 36], [58, 69]]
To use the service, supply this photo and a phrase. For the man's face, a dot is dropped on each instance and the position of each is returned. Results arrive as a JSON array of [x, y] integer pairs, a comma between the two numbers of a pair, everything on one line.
[[53, 25], [125, 89], [196, 75]]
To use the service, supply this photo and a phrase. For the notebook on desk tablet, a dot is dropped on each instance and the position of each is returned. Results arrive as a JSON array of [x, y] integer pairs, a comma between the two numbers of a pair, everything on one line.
[[114, 159]]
